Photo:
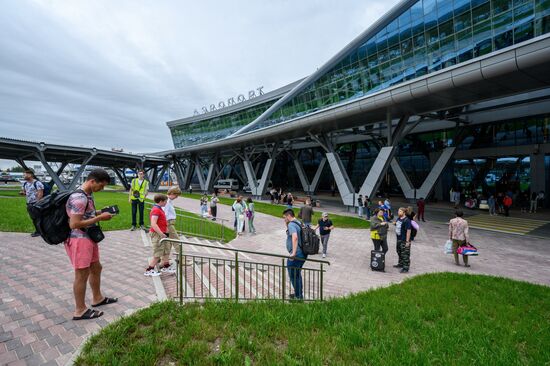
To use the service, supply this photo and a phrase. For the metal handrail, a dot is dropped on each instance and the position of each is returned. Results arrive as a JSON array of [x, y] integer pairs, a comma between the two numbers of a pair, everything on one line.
[[234, 283], [190, 217], [242, 250], [199, 226]]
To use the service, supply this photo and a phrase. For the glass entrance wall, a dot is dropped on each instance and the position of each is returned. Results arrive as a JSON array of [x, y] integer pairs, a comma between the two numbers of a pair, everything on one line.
[[429, 36], [489, 176]]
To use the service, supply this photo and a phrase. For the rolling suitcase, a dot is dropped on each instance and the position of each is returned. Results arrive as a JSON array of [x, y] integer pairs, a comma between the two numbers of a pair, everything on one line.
[[377, 261]]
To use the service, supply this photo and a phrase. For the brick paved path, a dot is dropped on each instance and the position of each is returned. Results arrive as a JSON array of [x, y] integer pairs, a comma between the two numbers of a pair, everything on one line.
[[36, 280], [349, 253], [36, 299]]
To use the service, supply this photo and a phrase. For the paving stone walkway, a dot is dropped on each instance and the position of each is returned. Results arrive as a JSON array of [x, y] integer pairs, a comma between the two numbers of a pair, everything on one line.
[[36, 301], [36, 281], [526, 259]]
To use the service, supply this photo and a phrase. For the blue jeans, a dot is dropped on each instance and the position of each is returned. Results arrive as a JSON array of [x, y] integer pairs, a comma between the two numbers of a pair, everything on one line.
[[360, 211], [367, 210], [295, 276]]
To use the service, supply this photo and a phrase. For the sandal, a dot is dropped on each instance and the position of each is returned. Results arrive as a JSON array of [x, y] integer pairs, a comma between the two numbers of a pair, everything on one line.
[[89, 314], [106, 301]]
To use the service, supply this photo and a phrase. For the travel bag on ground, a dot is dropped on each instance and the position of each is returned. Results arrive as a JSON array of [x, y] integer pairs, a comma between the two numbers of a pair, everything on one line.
[[377, 260]]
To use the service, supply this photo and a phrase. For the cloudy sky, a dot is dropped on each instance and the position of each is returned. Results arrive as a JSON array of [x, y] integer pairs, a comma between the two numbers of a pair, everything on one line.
[[109, 73]]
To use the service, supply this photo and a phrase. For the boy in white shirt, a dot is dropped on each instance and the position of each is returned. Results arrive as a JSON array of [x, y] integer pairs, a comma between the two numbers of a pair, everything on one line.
[[170, 211]]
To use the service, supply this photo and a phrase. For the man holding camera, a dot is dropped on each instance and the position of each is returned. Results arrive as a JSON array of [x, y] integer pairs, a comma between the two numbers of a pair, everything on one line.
[[138, 191], [81, 245]]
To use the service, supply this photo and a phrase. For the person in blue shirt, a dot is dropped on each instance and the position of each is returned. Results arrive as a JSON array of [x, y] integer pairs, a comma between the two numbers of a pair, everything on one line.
[[297, 256], [403, 229]]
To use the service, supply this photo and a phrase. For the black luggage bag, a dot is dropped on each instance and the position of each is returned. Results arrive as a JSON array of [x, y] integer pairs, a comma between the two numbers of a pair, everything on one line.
[[377, 261]]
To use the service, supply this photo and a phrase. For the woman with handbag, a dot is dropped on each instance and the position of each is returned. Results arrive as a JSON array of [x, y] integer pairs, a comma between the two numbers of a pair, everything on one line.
[[239, 214], [458, 233], [379, 230]]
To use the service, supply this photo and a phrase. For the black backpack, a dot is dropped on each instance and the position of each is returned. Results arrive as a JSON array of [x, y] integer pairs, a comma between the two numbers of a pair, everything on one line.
[[50, 217], [309, 242]]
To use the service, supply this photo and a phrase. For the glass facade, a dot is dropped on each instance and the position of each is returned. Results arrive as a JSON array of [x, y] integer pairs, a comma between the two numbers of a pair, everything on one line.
[[217, 127], [429, 36]]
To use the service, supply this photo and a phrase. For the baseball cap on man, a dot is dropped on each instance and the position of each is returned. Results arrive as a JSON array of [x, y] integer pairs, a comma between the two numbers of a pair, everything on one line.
[[325, 214]]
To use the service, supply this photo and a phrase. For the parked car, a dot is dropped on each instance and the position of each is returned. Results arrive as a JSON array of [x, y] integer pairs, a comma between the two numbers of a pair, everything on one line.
[[229, 184]]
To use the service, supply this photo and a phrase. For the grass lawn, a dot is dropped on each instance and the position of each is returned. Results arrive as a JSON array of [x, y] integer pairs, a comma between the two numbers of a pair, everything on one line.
[[441, 319], [18, 219], [9, 192], [277, 211]]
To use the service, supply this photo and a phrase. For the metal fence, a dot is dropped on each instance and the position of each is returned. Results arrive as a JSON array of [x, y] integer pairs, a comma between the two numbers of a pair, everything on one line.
[[199, 226], [234, 275]]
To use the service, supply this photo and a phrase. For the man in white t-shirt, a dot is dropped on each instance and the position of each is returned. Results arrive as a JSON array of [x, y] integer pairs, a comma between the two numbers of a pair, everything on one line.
[[33, 189]]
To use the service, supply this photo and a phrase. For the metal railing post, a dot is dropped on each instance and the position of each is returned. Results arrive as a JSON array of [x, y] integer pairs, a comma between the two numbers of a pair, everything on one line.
[[283, 277], [180, 258], [237, 276], [321, 283]]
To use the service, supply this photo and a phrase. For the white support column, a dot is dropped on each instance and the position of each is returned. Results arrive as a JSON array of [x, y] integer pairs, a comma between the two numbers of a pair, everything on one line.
[[301, 174], [341, 177], [258, 186], [200, 174], [208, 183], [429, 183], [377, 171], [309, 187], [266, 176], [317, 177]]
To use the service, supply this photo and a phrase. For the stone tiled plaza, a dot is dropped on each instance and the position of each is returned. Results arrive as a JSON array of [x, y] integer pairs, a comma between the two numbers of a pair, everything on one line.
[[36, 287]]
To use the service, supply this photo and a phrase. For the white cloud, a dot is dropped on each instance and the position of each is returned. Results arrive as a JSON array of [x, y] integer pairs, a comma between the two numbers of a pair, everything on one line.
[[111, 73]]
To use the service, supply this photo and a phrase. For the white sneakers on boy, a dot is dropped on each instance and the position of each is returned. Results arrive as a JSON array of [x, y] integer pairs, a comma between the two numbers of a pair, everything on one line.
[[168, 270], [151, 273]]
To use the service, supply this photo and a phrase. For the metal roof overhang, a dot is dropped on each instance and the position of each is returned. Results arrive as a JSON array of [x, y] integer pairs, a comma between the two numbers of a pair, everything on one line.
[[517, 69], [27, 150]]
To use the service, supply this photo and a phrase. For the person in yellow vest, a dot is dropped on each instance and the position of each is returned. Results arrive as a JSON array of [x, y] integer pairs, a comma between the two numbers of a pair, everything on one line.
[[138, 191]]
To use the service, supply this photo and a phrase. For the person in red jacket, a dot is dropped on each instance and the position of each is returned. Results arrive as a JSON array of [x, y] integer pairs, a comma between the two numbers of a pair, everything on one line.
[[421, 204], [507, 202]]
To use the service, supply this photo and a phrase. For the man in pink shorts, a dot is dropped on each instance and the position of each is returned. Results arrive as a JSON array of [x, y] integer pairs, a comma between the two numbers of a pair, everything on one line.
[[82, 251]]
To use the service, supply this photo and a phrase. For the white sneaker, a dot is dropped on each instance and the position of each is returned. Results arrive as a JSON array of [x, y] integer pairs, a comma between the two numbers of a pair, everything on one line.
[[324, 255], [152, 273], [168, 270]]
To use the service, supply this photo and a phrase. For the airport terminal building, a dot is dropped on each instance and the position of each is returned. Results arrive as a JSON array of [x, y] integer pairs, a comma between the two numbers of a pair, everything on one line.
[[437, 94]]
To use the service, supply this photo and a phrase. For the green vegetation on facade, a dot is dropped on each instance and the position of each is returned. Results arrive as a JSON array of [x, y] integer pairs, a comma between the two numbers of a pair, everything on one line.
[[339, 221], [437, 319]]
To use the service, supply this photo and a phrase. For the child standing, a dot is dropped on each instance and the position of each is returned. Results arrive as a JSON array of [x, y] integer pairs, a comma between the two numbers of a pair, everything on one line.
[[171, 216], [158, 231]]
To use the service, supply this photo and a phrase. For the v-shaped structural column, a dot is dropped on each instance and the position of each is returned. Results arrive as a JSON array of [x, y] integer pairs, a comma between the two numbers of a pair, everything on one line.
[[376, 172], [74, 182], [258, 186], [411, 192], [157, 177], [206, 183], [308, 187], [121, 174], [183, 169]]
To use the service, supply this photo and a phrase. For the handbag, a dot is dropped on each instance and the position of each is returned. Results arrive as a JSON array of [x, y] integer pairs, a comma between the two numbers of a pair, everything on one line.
[[448, 247], [95, 233], [467, 249]]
